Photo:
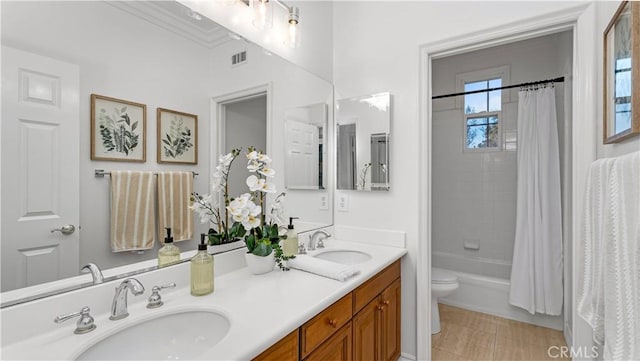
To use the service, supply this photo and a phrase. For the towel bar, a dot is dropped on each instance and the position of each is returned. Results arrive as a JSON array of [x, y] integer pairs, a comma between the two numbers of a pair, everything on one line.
[[100, 173]]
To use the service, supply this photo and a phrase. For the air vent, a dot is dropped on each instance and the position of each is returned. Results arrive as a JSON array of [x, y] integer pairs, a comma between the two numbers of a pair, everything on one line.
[[239, 58]]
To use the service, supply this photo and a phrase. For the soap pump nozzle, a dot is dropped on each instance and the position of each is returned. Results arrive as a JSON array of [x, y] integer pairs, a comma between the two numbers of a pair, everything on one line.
[[290, 226], [168, 238], [203, 245]]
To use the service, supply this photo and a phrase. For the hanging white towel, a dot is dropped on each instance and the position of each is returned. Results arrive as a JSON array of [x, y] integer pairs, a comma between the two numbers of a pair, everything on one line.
[[132, 211], [622, 263], [536, 274], [591, 302], [174, 199]]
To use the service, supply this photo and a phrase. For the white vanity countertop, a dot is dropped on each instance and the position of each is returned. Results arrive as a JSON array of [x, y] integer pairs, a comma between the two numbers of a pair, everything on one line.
[[261, 309]]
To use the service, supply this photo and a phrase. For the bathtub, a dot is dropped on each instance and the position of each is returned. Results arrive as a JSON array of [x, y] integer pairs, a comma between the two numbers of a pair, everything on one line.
[[487, 294]]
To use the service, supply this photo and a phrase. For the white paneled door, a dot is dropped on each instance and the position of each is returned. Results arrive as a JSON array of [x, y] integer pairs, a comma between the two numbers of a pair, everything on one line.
[[40, 164], [303, 155]]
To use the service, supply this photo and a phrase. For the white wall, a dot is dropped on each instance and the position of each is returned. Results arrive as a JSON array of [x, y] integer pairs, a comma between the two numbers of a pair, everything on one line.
[[604, 11], [291, 86], [316, 21], [376, 48], [474, 192], [122, 57]]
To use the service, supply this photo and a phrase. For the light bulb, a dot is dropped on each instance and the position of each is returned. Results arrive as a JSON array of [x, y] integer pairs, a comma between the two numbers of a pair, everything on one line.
[[293, 28], [262, 14]]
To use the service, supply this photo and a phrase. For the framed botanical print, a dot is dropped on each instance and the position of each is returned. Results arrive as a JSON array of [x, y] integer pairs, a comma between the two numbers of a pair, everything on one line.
[[620, 74], [118, 129], [177, 137]]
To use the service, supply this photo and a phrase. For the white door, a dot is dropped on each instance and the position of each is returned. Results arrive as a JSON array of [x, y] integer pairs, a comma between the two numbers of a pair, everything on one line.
[[302, 145], [40, 161]]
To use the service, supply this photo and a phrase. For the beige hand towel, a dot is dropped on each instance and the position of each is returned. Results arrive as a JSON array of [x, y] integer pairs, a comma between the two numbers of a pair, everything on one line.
[[174, 199], [132, 211]]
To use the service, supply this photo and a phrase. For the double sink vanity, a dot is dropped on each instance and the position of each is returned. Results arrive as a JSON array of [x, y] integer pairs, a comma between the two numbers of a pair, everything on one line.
[[291, 315]]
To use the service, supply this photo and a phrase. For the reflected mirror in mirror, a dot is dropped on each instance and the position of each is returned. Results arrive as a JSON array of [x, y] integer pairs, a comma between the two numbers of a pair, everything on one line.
[[145, 52], [622, 91], [363, 128], [305, 134]]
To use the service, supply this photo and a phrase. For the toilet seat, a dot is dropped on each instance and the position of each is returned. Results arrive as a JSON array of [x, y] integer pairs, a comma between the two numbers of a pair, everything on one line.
[[440, 276]]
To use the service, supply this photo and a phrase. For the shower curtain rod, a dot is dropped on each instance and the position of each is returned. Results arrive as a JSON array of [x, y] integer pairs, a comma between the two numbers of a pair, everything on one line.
[[556, 80]]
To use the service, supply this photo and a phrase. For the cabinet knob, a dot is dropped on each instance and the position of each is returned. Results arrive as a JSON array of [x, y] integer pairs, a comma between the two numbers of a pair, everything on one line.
[[333, 323], [386, 303], [380, 308]]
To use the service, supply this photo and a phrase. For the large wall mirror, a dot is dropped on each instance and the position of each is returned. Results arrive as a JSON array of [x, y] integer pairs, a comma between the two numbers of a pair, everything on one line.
[[363, 127], [159, 54]]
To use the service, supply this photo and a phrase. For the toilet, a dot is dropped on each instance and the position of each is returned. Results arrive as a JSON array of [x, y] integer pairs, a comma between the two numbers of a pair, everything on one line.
[[443, 283]]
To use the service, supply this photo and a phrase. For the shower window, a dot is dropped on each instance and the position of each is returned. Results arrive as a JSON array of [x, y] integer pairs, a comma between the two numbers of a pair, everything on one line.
[[482, 114], [489, 101]]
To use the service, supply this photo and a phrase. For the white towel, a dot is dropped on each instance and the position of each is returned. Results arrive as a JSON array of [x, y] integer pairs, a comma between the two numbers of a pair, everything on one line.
[[322, 267], [622, 263], [132, 211], [591, 302], [174, 199]]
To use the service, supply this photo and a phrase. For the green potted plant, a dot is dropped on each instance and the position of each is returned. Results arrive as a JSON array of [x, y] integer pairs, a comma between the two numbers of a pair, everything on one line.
[[242, 217]]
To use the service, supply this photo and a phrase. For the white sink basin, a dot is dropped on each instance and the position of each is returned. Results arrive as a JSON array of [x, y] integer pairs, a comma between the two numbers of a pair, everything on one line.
[[176, 336], [347, 257]]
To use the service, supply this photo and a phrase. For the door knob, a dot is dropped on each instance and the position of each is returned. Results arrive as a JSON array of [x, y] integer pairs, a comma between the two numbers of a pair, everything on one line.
[[67, 229]]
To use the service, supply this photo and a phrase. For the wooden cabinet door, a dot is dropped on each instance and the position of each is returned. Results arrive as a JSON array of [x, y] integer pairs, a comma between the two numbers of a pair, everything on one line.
[[390, 322], [336, 348], [365, 332], [285, 350]]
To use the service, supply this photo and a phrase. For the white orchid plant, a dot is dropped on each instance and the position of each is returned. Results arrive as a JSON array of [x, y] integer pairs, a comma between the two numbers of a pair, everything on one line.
[[242, 217]]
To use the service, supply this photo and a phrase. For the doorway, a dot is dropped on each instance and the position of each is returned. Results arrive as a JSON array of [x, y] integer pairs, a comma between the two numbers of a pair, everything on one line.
[[245, 125]]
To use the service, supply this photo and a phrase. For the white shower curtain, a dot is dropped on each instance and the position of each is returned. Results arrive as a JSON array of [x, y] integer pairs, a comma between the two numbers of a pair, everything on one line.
[[536, 272]]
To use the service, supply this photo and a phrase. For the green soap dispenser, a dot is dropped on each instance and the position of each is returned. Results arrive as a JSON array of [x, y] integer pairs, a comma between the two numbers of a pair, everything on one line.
[[168, 253], [202, 270], [290, 244]]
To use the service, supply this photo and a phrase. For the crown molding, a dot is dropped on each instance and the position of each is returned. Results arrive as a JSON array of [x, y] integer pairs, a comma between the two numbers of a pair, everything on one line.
[[172, 17]]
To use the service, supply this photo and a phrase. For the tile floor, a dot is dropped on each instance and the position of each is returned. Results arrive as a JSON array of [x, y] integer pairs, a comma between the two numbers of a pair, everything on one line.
[[467, 335]]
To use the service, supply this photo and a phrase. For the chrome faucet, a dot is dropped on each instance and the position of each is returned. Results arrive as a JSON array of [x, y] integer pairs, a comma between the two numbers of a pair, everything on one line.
[[119, 304], [320, 236], [96, 274]]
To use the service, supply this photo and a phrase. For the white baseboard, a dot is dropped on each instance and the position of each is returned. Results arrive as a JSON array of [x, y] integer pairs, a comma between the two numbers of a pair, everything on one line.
[[406, 357]]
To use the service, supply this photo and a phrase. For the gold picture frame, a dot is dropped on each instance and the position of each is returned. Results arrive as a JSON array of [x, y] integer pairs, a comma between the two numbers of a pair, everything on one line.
[[621, 79], [177, 137], [118, 130]]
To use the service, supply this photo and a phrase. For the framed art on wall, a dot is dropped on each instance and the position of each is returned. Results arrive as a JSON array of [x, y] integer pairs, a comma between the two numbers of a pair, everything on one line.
[[177, 137], [118, 129], [620, 74]]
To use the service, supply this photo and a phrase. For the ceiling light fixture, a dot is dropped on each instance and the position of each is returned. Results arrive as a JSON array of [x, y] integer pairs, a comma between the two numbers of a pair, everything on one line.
[[263, 19], [262, 14]]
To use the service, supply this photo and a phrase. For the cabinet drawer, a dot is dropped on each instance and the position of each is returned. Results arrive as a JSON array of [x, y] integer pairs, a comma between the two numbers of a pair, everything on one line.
[[373, 287], [337, 348], [285, 350], [321, 327]]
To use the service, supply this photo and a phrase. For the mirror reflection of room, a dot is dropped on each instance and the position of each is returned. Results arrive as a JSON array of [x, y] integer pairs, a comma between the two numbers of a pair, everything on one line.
[[150, 63], [363, 142]]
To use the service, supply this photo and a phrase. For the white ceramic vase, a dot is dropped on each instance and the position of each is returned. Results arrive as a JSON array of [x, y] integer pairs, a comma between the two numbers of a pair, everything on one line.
[[259, 265]]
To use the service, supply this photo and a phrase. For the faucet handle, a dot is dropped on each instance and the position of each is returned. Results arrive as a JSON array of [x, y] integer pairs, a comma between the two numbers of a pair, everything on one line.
[[301, 249], [155, 300], [85, 323]]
